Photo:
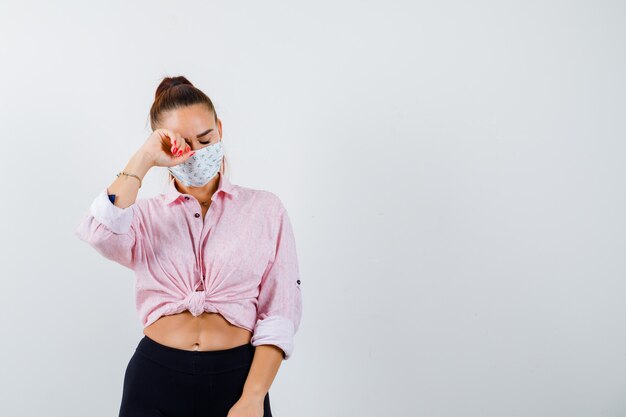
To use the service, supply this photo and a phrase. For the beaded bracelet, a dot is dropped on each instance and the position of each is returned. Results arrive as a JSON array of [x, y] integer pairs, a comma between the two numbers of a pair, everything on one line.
[[130, 175]]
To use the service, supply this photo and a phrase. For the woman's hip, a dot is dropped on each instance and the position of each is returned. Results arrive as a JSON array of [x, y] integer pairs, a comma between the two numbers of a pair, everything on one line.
[[162, 380]]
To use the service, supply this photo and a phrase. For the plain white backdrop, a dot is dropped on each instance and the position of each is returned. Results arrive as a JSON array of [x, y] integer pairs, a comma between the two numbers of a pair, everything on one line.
[[454, 172]]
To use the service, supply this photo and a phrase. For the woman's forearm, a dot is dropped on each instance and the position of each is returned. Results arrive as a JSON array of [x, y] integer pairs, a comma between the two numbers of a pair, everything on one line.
[[265, 365], [125, 187]]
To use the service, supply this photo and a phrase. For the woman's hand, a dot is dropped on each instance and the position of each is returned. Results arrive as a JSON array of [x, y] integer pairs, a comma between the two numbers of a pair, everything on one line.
[[247, 407], [165, 148]]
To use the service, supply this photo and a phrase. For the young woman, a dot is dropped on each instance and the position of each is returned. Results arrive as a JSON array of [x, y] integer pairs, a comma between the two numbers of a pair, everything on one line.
[[217, 281]]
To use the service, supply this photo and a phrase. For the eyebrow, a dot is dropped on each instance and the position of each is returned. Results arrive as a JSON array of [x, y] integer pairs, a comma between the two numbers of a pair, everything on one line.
[[204, 133]]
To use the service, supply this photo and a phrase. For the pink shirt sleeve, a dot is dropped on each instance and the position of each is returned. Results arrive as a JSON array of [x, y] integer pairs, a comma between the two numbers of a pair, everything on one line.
[[111, 230], [280, 298]]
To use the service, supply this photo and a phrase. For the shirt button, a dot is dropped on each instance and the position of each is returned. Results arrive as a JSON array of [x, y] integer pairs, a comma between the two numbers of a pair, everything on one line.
[[186, 197], [197, 214], [298, 281]]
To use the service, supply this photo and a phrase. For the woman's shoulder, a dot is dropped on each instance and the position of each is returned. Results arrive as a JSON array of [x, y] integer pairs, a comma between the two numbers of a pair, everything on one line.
[[259, 196], [242, 195]]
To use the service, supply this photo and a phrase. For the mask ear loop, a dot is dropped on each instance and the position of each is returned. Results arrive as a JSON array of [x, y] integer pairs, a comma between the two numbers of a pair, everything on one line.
[[222, 163]]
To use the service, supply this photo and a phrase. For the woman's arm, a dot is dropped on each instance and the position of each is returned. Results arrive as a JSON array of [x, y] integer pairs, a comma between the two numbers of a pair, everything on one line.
[[279, 313], [126, 188], [265, 364], [110, 225], [279, 307]]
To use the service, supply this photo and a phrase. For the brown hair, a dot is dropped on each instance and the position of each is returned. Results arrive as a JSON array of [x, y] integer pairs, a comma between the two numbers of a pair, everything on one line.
[[176, 92]]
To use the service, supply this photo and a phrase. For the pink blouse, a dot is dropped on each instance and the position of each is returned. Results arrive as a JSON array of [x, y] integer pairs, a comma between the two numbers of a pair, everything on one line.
[[240, 261]]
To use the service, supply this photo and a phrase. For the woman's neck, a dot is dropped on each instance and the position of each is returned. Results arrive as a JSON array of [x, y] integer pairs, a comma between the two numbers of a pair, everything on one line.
[[203, 193]]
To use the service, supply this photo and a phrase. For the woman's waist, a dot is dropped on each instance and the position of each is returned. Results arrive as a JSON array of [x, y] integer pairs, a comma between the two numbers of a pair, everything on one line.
[[207, 331]]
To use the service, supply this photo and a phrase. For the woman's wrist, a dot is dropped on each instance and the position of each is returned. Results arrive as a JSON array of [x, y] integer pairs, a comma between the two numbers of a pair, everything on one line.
[[253, 394], [139, 164]]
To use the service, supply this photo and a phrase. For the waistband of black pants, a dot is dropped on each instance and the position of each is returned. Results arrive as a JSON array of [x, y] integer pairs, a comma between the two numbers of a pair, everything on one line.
[[197, 361]]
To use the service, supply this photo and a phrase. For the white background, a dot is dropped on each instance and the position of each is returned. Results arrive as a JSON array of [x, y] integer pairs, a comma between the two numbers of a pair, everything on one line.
[[454, 172]]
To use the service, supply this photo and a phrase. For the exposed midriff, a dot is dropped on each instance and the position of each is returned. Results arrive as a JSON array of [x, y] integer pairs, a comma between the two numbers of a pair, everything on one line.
[[208, 331]]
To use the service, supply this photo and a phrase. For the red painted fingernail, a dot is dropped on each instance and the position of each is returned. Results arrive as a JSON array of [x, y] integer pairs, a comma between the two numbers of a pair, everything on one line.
[[191, 153]]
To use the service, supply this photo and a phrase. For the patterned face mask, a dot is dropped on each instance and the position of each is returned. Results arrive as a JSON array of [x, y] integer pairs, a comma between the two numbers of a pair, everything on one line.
[[201, 167]]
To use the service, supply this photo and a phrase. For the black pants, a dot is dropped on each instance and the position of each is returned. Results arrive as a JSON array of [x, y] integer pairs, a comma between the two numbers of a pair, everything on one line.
[[162, 381]]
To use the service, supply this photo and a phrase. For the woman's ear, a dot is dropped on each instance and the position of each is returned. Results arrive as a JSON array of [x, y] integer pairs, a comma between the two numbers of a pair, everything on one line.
[[219, 127]]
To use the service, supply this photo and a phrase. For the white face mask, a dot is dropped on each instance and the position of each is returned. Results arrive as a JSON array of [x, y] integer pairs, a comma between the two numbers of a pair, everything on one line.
[[201, 167]]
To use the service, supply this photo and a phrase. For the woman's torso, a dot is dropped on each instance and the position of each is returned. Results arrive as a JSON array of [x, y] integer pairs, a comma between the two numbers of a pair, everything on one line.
[[200, 273], [208, 331]]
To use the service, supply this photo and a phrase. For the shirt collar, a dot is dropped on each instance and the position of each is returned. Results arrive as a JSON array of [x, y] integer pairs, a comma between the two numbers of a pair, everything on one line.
[[172, 194]]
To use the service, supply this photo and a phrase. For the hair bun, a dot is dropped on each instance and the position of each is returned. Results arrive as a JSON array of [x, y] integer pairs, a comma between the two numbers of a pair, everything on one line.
[[169, 82]]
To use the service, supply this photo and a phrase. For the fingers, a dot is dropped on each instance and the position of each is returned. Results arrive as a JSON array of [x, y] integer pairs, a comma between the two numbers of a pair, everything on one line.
[[182, 158], [167, 136], [180, 151], [183, 153], [178, 145], [166, 133], [173, 139], [187, 153]]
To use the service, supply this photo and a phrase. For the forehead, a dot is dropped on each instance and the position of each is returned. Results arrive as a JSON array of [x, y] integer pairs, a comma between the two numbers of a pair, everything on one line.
[[188, 120]]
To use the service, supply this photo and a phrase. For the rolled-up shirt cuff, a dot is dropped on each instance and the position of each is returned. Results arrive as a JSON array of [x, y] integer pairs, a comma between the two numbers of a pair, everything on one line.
[[117, 219], [275, 330]]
